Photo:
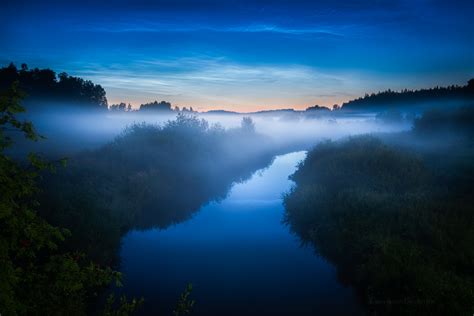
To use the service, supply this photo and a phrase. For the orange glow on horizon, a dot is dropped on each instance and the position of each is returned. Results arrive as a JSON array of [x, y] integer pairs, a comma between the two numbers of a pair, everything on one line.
[[241, 107]]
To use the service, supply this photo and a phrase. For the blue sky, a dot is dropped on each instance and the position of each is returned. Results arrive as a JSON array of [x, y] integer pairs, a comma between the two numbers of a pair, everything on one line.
[[244, 55]]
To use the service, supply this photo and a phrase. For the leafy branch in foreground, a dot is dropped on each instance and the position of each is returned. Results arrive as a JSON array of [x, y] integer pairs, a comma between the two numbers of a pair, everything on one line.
[[123, 308], [185, 304], [38, 278], [9, 107]]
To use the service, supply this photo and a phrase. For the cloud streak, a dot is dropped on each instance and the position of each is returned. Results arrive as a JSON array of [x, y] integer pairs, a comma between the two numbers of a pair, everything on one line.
[[250, 28], [215, 83]]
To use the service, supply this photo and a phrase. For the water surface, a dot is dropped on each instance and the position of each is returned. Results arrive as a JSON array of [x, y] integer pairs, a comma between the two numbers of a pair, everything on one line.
[[239, 257]]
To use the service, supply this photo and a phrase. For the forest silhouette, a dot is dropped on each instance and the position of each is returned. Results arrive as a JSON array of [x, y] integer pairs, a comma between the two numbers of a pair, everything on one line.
[[46, 85]]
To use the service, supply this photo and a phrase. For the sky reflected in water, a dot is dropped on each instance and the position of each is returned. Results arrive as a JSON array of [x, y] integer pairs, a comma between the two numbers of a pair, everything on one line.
[[238, 255]]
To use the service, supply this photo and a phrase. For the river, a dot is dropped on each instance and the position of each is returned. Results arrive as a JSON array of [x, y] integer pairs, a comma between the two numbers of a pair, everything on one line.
[[239, 257]]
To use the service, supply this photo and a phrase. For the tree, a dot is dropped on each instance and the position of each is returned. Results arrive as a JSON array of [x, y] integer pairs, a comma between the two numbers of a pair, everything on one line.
[[470, 84], [185, 305], [317, 108], [37, 277], [45, 85], [121, 107], [162, 106], [247, 124]]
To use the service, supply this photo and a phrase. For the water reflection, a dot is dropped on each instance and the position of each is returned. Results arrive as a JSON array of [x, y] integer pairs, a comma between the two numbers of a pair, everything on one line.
[[239, 257]]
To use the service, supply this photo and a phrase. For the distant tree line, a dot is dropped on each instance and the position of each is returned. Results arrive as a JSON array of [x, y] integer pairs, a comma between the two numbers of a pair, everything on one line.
[[120, 107], [316, 107], [45, 85], [318, 111], [150, 107], [162, 106], [409, 97]]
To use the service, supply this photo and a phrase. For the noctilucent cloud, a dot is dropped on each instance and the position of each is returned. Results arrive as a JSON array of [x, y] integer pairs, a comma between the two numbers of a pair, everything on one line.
[[244, 55]]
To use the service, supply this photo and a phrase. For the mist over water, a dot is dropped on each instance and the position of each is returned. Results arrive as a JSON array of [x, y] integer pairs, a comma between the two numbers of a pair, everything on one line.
[[69, 130], [236, 252]]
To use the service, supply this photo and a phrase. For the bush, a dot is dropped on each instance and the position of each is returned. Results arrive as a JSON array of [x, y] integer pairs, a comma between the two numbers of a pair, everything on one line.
[[388, 224], [149, 176]]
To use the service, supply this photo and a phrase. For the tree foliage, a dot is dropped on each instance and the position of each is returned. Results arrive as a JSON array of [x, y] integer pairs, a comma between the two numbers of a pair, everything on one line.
[[46, 85], [120, 107], [162, 106], [185, 304], [37, 277]]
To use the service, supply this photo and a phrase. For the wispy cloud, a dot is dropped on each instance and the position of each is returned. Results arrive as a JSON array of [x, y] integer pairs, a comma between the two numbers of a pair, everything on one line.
[[217, 83], [147, 27]]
